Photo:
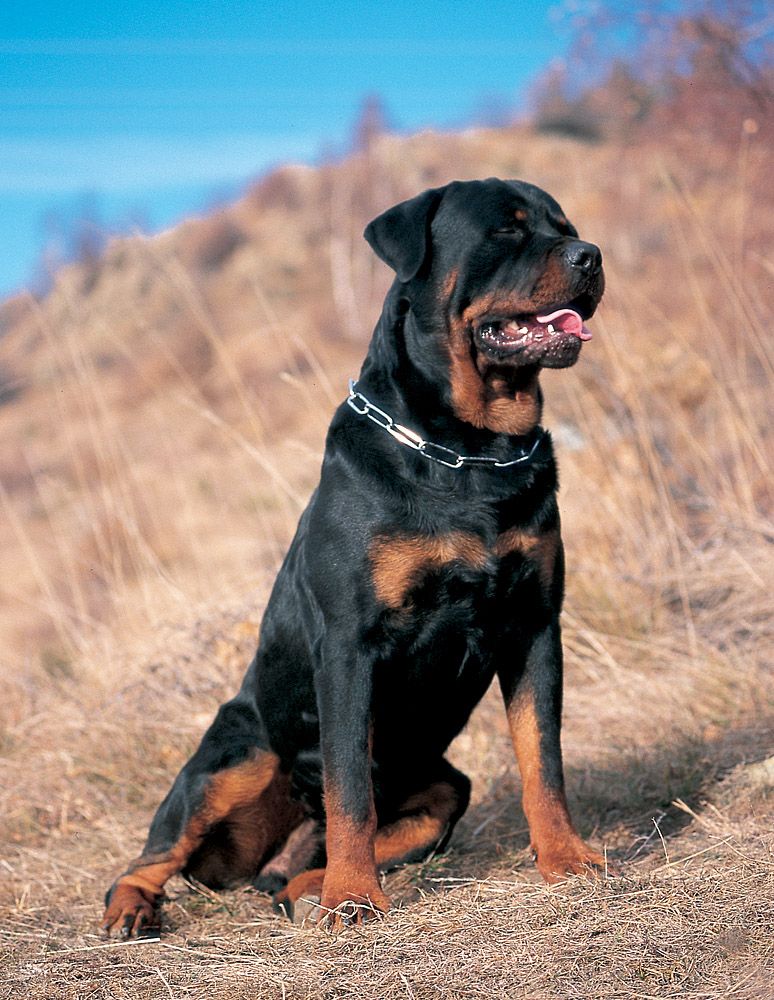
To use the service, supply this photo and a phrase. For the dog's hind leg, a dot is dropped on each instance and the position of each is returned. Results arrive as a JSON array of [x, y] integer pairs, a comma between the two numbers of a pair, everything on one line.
[[227, 811]]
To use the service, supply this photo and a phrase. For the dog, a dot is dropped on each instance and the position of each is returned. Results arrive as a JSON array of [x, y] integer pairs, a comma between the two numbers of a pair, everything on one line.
[[428, 560]]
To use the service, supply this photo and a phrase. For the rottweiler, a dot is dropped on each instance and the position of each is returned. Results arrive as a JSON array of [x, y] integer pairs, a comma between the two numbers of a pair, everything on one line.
[[428, 561]]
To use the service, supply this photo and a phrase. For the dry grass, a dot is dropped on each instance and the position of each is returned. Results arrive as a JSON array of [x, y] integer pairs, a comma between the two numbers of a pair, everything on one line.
[[164, 430], [691, 916], [700, 928]]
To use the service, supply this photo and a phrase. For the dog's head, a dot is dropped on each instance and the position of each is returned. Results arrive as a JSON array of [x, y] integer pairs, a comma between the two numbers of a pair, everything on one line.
[[500, 286]]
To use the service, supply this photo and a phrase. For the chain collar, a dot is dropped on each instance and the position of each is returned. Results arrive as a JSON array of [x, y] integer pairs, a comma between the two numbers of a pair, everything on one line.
[[434, 452]]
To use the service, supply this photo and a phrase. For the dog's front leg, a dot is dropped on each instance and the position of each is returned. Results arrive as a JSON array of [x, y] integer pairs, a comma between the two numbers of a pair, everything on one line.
[[532, 690], [351, 889]]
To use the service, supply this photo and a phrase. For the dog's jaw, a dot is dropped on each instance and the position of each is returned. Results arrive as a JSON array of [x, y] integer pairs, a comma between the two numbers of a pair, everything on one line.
[[497, 346], [551, 340]]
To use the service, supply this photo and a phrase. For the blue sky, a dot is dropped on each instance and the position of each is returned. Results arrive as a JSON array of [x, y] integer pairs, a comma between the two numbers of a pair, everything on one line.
[[145, 112]]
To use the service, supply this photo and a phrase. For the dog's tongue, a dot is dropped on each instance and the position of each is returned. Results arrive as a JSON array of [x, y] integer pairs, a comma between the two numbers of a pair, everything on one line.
[[568, 321]]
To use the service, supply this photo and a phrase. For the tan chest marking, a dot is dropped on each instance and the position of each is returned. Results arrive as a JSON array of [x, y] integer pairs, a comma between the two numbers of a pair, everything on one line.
[[540, 549], [398, 564]]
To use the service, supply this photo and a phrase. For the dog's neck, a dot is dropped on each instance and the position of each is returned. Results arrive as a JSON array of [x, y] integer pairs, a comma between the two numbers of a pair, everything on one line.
[[500, 399], [475, 404]]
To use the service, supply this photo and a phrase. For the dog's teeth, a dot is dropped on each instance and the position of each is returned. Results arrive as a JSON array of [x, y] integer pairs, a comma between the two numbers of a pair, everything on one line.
[[551, 329], [522, 329]]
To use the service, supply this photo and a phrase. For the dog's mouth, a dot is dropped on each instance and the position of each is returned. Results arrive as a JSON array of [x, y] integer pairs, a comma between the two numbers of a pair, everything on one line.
[[552, 338]]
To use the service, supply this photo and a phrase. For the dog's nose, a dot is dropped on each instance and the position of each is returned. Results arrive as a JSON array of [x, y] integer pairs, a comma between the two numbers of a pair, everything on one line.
[[583, 256]]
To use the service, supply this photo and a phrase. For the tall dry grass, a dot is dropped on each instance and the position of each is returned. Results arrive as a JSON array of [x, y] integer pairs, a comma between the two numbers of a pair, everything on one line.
[[167, 432], [166, 461]]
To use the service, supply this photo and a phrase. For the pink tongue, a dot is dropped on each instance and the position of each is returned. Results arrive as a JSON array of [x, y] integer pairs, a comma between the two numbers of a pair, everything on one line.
[[568, 321]]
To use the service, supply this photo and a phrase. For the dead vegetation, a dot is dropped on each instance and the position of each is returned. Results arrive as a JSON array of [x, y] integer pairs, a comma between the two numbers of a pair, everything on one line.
[[659, 767], [161, 432]]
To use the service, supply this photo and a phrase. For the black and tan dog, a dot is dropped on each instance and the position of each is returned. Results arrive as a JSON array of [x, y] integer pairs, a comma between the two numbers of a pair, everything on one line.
[[428, 561]]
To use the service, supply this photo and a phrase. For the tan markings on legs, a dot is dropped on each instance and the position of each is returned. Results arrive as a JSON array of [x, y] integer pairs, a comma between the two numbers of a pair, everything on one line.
[[300, 899], [539, 549], [427, 815], [232, 789], [558, 848], [351, 870], [132, 906], [398, 564], [307, 885], [250, 831], [136, 894]]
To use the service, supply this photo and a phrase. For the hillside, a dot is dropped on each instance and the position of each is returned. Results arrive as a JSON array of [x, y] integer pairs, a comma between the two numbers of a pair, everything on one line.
[[239, 329], [161, 417]]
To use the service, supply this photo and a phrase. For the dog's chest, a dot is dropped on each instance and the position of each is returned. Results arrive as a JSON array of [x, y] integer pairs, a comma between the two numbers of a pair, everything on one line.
[[413, 574]]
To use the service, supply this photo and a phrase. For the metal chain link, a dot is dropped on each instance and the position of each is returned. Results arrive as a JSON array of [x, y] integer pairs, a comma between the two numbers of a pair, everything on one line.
[[433, 452]]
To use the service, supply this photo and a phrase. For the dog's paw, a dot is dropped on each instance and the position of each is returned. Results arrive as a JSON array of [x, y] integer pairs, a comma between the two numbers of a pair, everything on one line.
[[339, 909], [131, 912], [269, 883], [313, 898], [573, 857]]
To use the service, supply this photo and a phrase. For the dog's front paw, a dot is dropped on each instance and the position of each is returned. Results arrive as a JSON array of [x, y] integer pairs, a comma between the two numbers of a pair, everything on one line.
[[558, 860], [315, 898], [342, 907], [132, 911]]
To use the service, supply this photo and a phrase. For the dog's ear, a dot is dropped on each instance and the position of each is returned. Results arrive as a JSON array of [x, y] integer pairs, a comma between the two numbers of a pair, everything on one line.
[[401, 235]]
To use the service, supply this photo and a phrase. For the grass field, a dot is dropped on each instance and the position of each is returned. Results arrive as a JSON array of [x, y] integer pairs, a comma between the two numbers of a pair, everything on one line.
[[164, 409]]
